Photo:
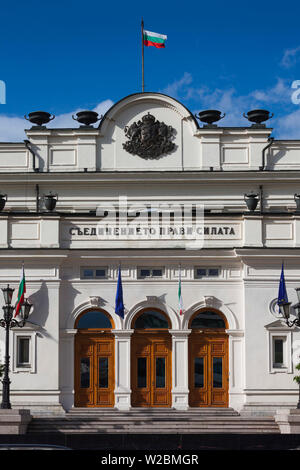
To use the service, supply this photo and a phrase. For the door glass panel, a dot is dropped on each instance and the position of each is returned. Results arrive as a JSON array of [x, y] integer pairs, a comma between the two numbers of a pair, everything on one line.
[[160, 372], [103, 372], [217, 372], [199, 372], [85, 372], [142, 372]]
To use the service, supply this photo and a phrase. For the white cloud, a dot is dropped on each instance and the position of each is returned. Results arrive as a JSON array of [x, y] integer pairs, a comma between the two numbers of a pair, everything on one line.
[[279, 93], [290, 57], [12, 128], [228, 100], [175, 88], [288, 126]]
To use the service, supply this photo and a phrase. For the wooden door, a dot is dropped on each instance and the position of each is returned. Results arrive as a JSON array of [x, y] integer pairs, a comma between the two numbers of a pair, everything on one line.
[[151, 369], [94, 369], [208, 369]]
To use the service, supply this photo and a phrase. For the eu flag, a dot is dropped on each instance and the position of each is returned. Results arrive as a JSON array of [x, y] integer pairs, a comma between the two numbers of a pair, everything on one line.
[[282, 294], [119, 308]]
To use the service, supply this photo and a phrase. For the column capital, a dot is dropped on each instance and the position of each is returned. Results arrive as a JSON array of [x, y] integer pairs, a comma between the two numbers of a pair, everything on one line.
[[180, 333], [122, 333]]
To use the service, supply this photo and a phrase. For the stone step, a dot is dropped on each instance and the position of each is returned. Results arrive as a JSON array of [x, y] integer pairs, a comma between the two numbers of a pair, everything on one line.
[[143, 430], [234, 424]]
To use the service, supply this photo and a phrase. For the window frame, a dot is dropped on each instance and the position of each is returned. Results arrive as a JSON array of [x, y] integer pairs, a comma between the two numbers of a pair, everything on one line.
[[94, 269], [151, 269], [286, 336], [207, 268], [31, 366]]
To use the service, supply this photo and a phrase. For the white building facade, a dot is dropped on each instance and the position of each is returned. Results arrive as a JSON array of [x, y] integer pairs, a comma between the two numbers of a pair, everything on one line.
[[230, 347]]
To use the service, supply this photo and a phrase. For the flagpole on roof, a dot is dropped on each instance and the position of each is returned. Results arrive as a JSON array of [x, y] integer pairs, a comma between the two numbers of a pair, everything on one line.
[[143, 83]]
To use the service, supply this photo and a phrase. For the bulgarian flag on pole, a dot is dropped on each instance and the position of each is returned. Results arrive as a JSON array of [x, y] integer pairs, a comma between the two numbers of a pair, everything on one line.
[[154, 39], [180, 301], [21, 292]]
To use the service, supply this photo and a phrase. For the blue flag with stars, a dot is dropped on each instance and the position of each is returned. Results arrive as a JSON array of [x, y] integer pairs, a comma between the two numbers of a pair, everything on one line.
[[119, 308], [282, 294]]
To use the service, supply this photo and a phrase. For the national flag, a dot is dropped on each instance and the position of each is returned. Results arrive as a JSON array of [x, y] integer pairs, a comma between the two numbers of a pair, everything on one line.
[[154, 39], [119, 307], [180, 301], [21, 292], [282, 294]]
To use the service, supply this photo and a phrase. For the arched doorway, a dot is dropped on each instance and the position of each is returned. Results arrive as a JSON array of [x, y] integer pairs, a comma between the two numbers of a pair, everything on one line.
[[94, 360], [208, 359], [151, 360]]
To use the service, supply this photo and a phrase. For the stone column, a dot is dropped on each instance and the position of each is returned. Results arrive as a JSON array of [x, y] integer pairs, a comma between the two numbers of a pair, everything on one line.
[[122, 369], [180, 369], [66, 367]]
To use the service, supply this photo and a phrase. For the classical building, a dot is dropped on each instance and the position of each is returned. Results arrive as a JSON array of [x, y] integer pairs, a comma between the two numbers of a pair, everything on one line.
[[155, 193]]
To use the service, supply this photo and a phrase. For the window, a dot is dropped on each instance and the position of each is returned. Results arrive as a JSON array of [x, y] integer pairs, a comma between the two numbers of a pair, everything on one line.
[[206, 272], [207, 319], [151, 319], [280, 348], [94, 273], [23, 351], [94, 319], [279, 352], [145, 273]]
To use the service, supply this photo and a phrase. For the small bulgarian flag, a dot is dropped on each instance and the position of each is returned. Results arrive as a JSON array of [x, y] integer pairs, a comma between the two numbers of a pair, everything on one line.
[[21, 292], [180, 301], [154, 39]]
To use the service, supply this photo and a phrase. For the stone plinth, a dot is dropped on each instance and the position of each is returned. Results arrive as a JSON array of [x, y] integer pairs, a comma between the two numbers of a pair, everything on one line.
[[288, 420], [14, 421]]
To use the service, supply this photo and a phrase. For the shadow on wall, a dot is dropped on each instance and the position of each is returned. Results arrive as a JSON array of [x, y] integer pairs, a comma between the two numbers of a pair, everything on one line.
[[68, 295], [271, 162], [40, 302]]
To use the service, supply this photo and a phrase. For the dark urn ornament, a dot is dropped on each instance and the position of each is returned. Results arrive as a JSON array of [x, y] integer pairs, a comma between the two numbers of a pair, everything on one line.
[[149, 138], [87, 118], [39, 118], [50, 201], [209, 116], [251, 200], [3, 199], [258, 116]]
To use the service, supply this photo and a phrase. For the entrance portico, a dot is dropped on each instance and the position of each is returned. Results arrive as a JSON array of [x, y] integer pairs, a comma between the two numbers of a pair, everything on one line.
[[151, 364]]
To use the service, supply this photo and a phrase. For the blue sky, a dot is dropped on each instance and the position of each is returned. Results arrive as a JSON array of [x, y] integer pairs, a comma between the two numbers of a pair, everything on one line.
[[62, 56]]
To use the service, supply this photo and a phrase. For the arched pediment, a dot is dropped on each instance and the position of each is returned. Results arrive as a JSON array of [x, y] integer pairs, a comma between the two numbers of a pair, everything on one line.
[[153, 303], [92, 303], [136, 103], [214, 303], [148, 131]]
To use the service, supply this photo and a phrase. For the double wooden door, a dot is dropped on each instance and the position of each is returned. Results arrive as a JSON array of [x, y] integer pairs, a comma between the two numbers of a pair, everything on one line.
[[208, 369], [94, 369], [151, 365]]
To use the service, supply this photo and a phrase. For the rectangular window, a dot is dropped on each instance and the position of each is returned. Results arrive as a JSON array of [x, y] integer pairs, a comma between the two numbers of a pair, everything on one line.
[[279, 354], [199, 372], [142, 372], [23, 353], [160, 372], [94, 273], [200, 273], [85, 372], [103, 372], [217, 372], [144, 273]]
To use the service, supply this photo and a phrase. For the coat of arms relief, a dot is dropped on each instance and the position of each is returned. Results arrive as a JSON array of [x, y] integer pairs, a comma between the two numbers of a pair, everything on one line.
[[149, 138]]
